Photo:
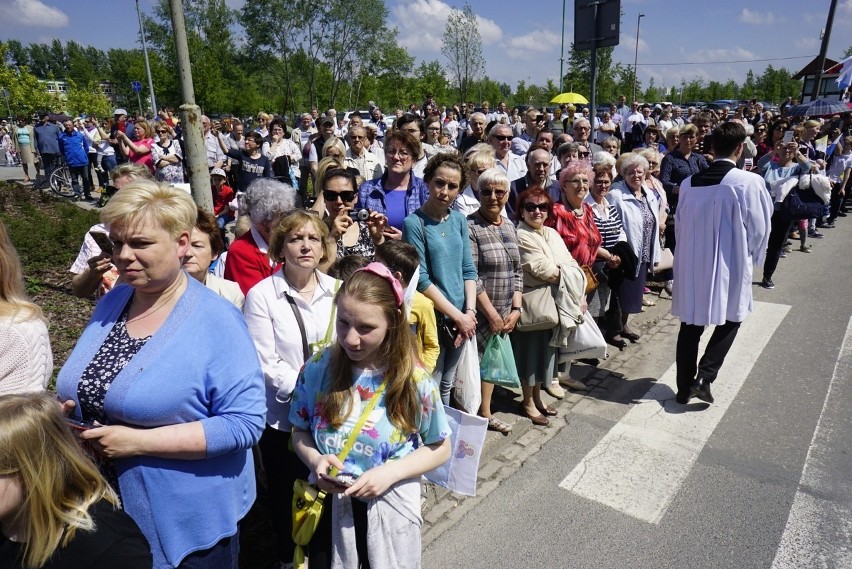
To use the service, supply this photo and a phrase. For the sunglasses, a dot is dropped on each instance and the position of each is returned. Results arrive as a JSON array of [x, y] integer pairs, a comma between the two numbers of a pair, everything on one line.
[[496, 193], [502, 137], [530, 207], [331, 196], [162, 132], [584, 154]]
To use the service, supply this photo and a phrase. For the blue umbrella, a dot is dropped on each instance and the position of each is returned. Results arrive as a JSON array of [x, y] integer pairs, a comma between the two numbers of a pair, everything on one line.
[[818, 108]]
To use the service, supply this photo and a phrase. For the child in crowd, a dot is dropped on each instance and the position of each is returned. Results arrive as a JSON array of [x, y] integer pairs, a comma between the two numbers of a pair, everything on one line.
[[343, 267], [370, 372], [223, 194], [402, 259]]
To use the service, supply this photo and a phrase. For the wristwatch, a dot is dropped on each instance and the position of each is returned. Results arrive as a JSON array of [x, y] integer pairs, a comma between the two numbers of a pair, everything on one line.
[[518, 308]]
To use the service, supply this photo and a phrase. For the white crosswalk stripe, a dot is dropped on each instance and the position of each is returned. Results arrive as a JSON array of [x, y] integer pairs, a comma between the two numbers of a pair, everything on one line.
[[640, 464], [819, 529]]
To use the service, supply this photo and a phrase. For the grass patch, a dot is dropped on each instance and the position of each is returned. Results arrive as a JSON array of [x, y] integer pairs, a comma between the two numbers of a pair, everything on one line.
[[47, 233]]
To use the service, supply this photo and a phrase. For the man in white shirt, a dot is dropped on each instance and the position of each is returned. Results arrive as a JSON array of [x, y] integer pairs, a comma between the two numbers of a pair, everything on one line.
[[714, 259], [500, 115], [357, 155], [215, 157], [500, 139], [534, 121]]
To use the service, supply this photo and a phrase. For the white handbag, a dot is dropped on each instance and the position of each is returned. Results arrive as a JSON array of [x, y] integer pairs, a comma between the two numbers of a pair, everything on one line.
[[586, 341], [467, 387]]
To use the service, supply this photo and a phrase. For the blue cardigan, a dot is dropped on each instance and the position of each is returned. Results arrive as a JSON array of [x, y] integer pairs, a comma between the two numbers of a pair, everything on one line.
[[201, 365]]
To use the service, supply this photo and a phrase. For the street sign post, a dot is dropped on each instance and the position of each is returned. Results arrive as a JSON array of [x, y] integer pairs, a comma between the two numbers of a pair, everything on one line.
[[596, 24], [137, 87]]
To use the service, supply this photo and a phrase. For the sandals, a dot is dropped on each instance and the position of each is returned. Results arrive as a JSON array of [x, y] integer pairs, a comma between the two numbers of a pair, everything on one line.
[[495, 424]]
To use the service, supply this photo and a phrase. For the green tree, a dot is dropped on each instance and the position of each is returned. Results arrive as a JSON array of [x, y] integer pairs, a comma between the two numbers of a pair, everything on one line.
[[90, 100], [461, 44], [26, 94], [579, 76]]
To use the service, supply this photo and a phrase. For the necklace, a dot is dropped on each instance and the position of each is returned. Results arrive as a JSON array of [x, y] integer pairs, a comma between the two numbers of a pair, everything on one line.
[[305, 290], [165, 302]]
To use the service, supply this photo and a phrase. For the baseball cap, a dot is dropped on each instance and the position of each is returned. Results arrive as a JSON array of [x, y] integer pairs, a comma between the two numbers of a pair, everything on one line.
[[218, 172], [119, 111], [327, 120]]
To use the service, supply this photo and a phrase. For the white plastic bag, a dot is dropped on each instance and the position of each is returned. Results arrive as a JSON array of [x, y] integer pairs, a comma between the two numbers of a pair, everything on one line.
[[467, 387], [459, 473], [586, 341]]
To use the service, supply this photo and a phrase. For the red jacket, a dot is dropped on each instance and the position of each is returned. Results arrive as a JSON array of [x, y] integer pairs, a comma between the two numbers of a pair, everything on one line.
[[246, 264]]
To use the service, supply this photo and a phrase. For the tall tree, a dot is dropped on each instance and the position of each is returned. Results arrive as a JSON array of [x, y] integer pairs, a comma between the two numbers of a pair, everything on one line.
[[26, 94], [462, 46]]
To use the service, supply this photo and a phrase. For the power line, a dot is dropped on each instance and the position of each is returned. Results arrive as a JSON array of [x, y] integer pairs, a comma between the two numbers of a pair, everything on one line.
[[717, 62]]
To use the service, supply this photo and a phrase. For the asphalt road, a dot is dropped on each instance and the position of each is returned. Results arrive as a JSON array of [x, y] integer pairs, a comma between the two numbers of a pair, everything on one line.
[[776, 439]]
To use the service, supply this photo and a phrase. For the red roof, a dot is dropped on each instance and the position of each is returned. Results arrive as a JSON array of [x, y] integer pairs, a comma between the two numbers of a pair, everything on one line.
[[811, 68]]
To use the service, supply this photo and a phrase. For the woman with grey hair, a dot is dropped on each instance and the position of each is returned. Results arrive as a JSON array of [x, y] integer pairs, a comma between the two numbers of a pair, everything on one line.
[[639, 210], [264, 202], [494, 248]]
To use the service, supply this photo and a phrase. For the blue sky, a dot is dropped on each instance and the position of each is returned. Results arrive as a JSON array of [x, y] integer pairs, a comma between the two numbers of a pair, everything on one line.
[[522, 40]]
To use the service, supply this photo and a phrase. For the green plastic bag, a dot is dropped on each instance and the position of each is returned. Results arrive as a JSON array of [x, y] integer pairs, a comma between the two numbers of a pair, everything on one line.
[[498, 363]]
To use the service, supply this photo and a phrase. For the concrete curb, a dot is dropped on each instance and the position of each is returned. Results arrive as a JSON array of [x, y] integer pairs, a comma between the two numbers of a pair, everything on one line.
[[504, 455]]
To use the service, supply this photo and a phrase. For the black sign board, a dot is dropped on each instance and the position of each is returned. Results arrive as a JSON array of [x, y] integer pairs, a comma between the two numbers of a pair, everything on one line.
[[606, 33]]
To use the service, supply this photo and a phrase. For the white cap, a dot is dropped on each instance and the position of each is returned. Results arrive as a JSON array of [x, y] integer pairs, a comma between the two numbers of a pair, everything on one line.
[[218, 172], [119, 111]]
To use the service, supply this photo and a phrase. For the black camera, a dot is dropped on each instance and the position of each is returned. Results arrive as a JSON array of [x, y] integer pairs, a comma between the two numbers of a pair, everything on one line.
[[360, 214]]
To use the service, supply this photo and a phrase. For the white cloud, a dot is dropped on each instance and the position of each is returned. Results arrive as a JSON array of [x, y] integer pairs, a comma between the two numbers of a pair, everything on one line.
[[716, 55], [532, 44], [807, 43], [32, 13], [754, 17], [421, 24]]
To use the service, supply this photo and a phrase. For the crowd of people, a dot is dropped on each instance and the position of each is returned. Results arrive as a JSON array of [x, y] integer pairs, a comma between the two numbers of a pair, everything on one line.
[[323, 340]]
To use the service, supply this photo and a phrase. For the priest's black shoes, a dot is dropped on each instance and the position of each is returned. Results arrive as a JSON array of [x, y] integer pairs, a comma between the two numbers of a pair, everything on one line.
[[701, 389]]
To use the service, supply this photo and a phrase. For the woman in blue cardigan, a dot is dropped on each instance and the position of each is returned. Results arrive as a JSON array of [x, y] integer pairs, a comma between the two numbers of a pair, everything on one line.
[[168, 376]]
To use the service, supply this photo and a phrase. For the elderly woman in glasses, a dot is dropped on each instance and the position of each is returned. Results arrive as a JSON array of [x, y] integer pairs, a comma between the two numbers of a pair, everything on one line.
[[494, 248], [167, 156], [639, 210]]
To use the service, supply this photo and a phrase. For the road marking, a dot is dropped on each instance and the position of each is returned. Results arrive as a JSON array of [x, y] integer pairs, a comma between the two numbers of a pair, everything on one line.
[[640, 464], [819, 528]]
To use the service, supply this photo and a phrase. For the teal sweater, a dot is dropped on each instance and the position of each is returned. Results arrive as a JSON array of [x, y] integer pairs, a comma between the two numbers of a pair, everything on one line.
[[445, 258]]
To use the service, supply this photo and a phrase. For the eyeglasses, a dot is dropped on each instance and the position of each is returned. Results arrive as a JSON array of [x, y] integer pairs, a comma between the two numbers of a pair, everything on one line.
[[162, 132], [584, 154], [502, 137], [398, 154], [441, 183], [499, 194], [353, 137], [530, 207], [331, 196]]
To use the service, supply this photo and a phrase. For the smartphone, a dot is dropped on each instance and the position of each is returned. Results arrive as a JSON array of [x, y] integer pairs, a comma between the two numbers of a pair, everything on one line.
[[78, 425], [343, 479], [102, 240], [788, 137]]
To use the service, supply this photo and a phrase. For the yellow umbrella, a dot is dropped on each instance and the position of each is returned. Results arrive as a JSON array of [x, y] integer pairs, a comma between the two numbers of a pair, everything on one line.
[[574, 98]]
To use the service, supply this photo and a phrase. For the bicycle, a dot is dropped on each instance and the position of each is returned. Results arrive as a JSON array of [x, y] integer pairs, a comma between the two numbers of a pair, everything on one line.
[[60, 180]]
